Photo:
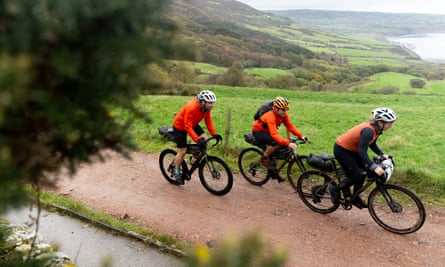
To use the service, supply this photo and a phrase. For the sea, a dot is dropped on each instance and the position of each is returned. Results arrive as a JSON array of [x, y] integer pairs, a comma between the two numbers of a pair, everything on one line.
[[430, 47]]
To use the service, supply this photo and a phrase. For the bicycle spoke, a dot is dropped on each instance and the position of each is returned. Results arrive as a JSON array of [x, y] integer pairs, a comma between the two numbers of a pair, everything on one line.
[[251, 168], [397, 209], [312, 188], [216, 176]]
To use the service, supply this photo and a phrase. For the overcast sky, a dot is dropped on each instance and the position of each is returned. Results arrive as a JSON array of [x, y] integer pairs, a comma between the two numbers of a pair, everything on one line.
[[393, 6]]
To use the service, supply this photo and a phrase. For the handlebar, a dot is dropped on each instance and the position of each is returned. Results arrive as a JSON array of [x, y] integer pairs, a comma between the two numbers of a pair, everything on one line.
[[380, 159], [294, 140], [213, 138]]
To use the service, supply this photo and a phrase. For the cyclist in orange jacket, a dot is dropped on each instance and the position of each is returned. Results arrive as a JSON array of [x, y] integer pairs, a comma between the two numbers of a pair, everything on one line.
[[187, 122], [351, 152], [265, 130]]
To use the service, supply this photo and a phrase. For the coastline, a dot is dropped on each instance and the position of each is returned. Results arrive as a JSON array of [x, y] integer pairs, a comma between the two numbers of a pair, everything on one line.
[[428, 46]]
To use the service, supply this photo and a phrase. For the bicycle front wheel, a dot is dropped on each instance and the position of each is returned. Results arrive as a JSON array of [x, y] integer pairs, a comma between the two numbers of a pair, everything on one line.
[[215, 175], [396, 209], [251, 168], [312, 187]]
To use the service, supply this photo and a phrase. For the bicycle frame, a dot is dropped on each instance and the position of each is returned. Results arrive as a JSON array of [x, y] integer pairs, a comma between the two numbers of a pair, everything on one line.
[[202, 155], [370, 180], [347, 203], [292, 157]]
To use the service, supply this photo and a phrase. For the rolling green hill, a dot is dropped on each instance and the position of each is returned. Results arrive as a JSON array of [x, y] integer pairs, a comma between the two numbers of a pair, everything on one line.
[[378, 23], [224, 32]]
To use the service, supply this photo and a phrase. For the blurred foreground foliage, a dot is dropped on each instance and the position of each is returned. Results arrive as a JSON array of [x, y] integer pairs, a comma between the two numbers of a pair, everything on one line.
[[250, 250], [63, 66]]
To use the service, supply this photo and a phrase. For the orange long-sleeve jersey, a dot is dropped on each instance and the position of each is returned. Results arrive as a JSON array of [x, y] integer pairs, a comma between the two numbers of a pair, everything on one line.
[[191, 115], [350, 140], [270, 121]]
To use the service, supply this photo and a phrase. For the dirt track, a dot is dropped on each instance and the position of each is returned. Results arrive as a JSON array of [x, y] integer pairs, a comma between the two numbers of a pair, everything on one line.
[[136, 190]]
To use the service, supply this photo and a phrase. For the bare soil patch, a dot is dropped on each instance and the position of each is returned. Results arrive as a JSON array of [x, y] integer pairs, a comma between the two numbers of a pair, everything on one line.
[[135, 189]]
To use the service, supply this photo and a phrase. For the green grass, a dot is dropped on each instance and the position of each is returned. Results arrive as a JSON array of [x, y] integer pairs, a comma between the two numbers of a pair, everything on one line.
[[359, 49], [203, 67], [402, 81], [266, 72], [416, 139]]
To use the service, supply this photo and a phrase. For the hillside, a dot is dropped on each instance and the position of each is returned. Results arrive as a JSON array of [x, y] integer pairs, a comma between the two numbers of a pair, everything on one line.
[[225, 31], [349, 22], [220, 29]]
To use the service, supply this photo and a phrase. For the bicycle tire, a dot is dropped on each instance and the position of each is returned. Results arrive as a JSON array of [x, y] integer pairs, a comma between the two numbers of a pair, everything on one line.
[[312, 188], [251, 168], [167, 165], [215, 175], [294, 170], [408, 212]]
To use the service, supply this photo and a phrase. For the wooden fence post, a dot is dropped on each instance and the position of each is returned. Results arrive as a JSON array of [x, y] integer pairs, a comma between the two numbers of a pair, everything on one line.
[[227, 131]]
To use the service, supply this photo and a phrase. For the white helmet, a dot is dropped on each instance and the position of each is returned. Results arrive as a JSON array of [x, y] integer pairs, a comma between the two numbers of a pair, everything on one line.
[[384, 114], [207, 96]]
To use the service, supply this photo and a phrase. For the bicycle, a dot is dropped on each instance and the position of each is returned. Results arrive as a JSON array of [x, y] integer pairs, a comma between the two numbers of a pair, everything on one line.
[[214, 173], [393, 207], [255, 173]]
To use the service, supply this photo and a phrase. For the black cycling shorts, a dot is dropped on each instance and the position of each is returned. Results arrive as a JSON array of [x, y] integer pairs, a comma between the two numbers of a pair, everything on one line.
[[181, 136], [264, 138]]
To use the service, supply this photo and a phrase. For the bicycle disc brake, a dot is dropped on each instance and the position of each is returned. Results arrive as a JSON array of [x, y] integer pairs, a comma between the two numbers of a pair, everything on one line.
[[253, 168], [396, 207]]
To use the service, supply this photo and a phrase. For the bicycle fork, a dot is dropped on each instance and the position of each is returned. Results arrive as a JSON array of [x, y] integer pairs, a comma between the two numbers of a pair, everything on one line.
[[394, 206], [207, 164]]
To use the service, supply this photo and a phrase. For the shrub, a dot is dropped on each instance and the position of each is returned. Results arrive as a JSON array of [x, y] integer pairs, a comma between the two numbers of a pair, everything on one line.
[[417, 83], [388, 90], [250, 250], [281, 81]]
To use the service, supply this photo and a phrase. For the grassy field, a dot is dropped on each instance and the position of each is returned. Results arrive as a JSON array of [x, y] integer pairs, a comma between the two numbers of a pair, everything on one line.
[[359, 49], [416, 140], [267, 72], [402, 81]]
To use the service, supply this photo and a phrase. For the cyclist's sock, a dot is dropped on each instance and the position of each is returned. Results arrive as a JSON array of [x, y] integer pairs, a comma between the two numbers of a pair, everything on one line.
[[272, 162], [178, 176]]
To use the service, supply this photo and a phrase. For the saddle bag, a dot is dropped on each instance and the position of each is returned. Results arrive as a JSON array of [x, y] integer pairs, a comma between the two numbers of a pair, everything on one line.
[[249, 138], [322, 162], [167, 132]]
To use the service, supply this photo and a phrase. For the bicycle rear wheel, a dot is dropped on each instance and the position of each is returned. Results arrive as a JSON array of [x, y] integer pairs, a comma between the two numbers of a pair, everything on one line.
[[167, 165], [251, 168], [215, 175], [396, 209], [312, 188]]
